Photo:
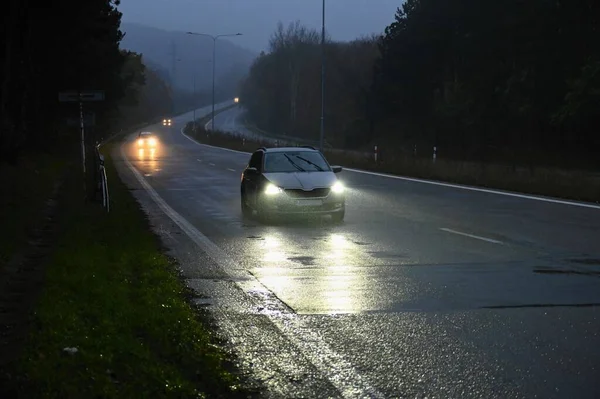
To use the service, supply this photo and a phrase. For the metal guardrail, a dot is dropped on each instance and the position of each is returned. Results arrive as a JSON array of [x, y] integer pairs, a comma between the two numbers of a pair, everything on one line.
[[101, 180]]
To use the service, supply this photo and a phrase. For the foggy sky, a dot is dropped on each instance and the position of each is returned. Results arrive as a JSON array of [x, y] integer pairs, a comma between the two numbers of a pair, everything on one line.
[[257, 19]]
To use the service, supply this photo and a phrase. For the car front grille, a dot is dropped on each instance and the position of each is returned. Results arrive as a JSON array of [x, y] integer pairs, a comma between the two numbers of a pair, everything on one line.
[[316, 193]]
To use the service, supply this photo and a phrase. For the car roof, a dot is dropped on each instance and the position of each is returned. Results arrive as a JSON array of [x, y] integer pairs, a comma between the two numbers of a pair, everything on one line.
[[287, 149]]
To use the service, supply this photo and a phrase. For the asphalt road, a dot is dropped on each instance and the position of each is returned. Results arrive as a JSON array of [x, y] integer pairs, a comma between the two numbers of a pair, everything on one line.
[[424, 291]]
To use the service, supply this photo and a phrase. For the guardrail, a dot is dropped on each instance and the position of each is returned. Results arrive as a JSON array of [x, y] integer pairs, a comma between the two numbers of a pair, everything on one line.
[[101, 180]]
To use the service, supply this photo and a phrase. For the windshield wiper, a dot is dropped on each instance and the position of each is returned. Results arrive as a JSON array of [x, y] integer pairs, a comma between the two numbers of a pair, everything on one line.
[[294, 163], [320, 169]]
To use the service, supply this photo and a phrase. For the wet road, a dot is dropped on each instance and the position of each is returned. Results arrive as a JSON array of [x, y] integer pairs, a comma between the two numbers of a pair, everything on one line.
[[425, 290]]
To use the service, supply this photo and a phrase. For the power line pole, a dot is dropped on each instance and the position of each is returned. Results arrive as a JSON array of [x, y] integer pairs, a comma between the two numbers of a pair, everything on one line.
[[322, 135], [173, 63]]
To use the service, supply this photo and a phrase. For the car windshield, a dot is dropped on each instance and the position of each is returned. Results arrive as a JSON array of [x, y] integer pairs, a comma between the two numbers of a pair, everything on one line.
[[145, 134], [295, 161]]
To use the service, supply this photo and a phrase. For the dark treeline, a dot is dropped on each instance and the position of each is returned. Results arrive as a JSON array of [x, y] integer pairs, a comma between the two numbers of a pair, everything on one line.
[[63, 46], [480, 79]]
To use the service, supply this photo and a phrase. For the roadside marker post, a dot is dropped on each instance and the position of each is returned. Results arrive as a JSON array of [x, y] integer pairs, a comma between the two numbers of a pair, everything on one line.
[[81, 97]]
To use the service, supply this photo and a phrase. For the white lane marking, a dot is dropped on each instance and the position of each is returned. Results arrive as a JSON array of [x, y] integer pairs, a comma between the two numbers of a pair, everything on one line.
[[339, 372], [199, 160], [472, 236], [442, 184], [483, 190], [211, 164], [231, 170], [207, 123], [212, 146]]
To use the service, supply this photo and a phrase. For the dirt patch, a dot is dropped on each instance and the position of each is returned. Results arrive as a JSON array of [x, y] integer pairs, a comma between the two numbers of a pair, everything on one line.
[[21, 282]]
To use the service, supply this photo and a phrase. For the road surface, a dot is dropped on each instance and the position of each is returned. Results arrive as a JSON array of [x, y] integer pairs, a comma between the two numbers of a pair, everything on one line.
[[425, 290]]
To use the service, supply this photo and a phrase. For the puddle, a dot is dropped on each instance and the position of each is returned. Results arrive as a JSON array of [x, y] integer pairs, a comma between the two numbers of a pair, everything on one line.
[[386, 255], [305, 260], [573, 272], [593, 262]]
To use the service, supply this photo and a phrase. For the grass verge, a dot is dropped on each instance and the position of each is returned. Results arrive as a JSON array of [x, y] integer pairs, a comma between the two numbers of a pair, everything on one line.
[[554, 182], [111, 293]]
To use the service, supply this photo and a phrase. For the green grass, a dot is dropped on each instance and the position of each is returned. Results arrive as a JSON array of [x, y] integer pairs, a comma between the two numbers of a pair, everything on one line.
[[111, 293], [25, 187]]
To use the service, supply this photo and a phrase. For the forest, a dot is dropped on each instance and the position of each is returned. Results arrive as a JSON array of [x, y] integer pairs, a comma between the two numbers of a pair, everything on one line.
[[77, 49], [513, 81]]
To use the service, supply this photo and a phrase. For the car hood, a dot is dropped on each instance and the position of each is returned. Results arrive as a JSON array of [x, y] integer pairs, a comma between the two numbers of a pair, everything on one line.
[[302, 180]]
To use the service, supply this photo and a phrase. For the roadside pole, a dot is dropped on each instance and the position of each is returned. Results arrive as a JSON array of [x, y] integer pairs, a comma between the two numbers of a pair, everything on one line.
[[82, 123], [80, 97]]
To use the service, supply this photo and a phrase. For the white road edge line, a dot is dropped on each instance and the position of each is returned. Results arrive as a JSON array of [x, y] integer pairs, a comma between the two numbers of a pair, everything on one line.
[[442, 184], [231, 170], [472, 236], [199, 160], [211, 164], [483, 190], [339, 372]]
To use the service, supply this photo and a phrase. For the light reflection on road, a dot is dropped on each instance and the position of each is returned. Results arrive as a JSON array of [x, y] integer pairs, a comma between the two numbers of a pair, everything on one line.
[[339, 281], [148, 158], [333, 285]]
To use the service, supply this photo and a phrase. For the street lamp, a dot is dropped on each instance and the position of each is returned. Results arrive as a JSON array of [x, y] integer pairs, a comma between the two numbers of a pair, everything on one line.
[[212, 121], [194, 98], [194, 103], [322, 136]]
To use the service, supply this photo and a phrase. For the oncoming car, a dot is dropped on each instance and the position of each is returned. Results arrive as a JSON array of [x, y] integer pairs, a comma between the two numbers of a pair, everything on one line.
[[292, 180], [146, 139], [167, 122]]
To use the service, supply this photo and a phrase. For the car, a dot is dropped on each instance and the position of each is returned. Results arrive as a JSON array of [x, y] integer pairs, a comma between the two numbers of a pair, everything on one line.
[[167, 122], [291, 181], [147, 139]]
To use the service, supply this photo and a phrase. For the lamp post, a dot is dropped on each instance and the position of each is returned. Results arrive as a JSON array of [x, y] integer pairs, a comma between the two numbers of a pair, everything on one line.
[[214, 38], [194, 102], [322, 136]]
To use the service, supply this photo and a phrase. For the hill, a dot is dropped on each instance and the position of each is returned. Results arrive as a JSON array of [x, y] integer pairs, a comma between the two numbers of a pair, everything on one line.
[[192, 55]]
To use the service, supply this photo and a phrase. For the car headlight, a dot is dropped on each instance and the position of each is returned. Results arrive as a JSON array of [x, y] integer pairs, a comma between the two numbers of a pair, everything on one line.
[[272, 189], [338, 188], [140, 141], [152, 141]]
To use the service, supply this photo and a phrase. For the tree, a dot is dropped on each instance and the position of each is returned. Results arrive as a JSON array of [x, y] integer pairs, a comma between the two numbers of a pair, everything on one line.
[[78, 48], [282, 92]]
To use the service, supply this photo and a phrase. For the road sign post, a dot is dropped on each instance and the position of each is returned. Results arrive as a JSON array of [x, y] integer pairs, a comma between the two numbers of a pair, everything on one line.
[[81, 97]]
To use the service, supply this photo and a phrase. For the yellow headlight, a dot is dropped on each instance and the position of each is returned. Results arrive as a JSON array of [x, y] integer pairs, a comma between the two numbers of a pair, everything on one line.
[[152, 141], [338, 188], [272, 189], [140, 141]]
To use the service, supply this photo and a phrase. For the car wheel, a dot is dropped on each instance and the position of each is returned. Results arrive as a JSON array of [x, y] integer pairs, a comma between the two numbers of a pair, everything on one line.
[[338, 217], [246, 210], [263, 214]]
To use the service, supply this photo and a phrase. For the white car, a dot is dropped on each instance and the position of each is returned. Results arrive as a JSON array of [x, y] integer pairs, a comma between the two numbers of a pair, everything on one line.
[[292, 180]]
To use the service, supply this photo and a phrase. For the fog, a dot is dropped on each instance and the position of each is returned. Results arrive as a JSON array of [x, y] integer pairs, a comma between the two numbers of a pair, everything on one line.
[[257, 19]]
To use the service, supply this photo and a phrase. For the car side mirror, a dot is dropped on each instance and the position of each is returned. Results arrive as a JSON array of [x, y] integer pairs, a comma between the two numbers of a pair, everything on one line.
[[251, 171], [336, 169]]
